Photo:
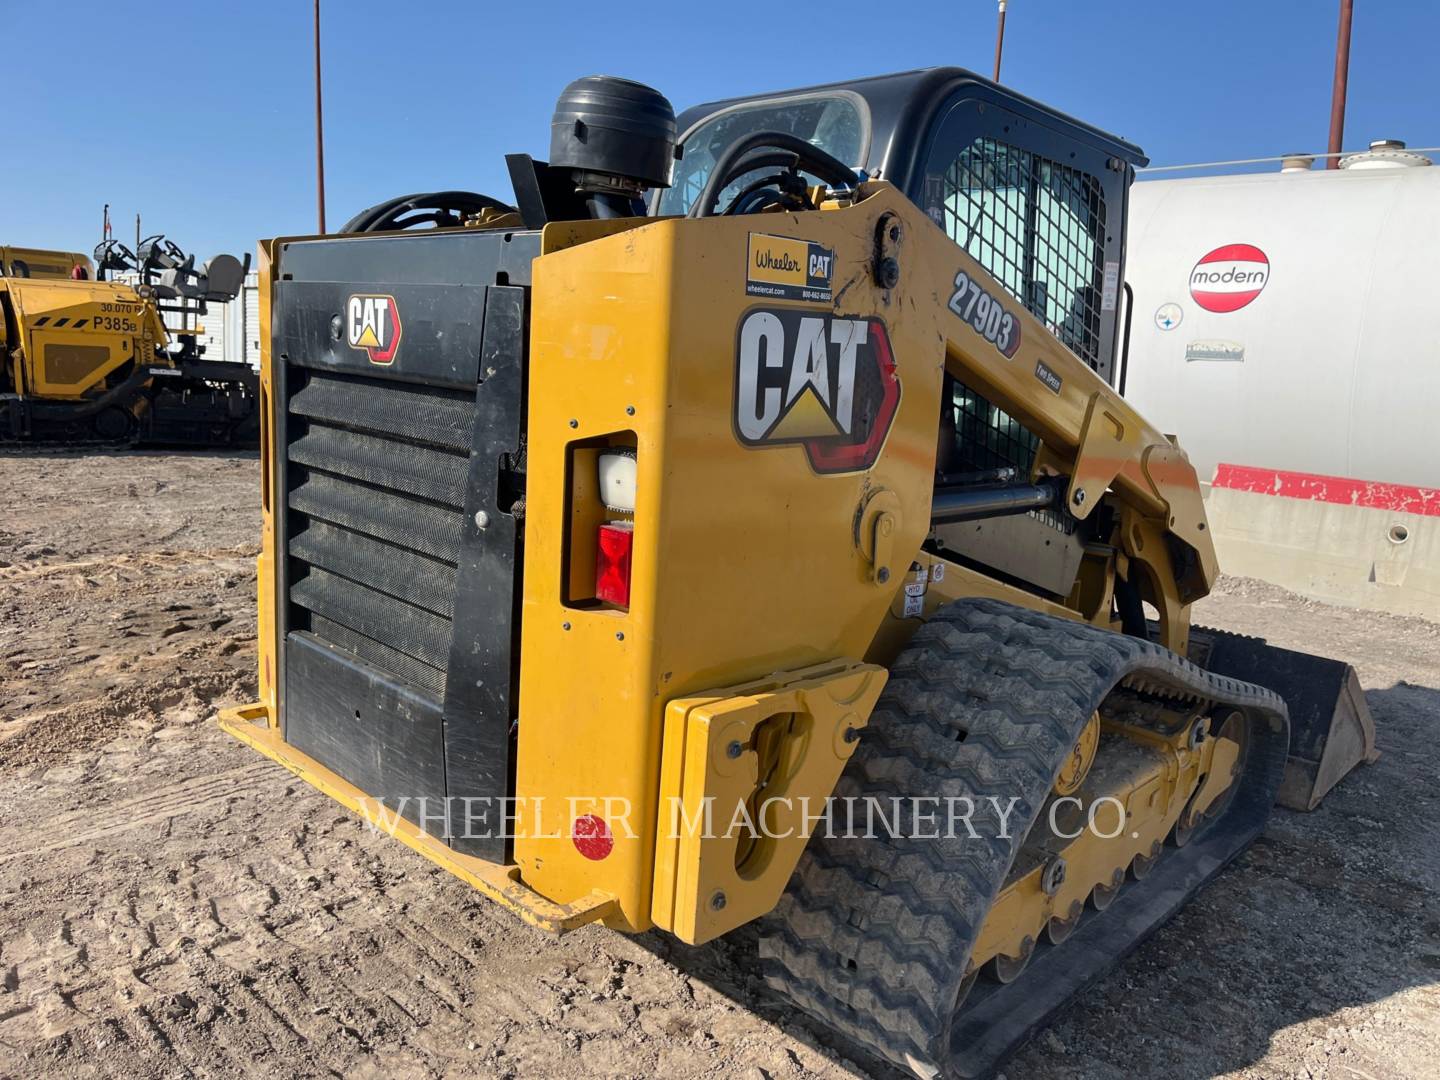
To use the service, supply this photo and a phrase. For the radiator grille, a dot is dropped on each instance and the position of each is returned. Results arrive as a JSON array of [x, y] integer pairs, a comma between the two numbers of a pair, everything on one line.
[[376, 495]]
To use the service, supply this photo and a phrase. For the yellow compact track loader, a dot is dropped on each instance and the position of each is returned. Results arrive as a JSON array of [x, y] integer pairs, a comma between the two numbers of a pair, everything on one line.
[[86, 361], [746, 526]]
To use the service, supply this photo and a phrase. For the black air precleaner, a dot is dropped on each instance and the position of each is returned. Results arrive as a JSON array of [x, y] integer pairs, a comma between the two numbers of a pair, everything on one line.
[[616, 136]]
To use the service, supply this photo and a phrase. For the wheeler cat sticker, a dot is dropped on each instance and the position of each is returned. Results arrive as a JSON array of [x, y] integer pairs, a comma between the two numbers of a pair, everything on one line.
[[826, 382], [986, 314], [372, 323], [788, 269]]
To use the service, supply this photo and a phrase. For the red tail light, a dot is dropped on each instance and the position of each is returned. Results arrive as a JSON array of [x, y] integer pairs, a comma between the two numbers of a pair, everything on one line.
[[612, 562]]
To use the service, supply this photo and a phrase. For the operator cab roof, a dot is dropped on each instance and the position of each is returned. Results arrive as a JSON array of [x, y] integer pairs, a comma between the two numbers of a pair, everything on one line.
[[898, 113]]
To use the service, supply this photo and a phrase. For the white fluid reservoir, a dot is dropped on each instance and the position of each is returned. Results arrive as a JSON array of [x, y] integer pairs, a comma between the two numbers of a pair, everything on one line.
[[1291, 320]]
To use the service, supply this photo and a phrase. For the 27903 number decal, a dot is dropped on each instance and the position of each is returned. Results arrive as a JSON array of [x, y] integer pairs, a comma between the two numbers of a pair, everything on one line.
[[985, 314]]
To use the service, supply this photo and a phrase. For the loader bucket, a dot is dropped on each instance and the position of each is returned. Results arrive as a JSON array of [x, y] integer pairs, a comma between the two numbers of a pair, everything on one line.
[[1331, 730]]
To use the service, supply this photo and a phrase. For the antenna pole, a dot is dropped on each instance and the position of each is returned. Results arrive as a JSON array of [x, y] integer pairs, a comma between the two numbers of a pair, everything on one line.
[[1000, 40], [319, 131], [1342, 78]]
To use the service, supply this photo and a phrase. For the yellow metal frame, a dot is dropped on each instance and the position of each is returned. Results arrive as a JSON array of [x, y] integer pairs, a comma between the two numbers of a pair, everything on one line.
[[1177, 779], [741, 767], [252, 725]]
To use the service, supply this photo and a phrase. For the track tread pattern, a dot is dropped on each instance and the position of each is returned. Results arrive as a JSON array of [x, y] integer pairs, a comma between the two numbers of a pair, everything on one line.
[[873, 935]]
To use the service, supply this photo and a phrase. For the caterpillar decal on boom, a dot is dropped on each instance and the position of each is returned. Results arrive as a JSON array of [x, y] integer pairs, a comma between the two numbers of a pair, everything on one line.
[[86, 361], [776, 470]]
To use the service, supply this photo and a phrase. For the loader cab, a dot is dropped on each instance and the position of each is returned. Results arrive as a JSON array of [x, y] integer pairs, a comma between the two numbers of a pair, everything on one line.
[[1036, 197]]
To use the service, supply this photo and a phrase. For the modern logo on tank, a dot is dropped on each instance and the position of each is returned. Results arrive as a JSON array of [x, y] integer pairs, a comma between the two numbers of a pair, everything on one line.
[[372, 323], [1229, 277]]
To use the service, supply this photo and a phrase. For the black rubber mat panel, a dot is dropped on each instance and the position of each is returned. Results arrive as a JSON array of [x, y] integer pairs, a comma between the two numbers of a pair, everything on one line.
[[410, 523], [405, 575], [404, 467], [410, 630], [420, 413], [380, 735], [377, 655]]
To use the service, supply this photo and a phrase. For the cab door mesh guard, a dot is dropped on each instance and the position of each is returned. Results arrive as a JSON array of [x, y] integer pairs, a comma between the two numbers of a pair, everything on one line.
[[1038, 227]]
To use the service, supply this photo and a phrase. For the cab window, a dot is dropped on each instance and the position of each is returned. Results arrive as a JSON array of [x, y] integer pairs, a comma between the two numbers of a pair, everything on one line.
[[833, 122]]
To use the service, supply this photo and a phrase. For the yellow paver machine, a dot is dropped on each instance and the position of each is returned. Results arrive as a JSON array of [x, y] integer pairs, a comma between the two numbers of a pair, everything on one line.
[[90, 360], [745, 526]]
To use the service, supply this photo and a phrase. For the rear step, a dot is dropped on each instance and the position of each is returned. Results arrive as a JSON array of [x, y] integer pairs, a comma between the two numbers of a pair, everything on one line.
[[1331, 729]]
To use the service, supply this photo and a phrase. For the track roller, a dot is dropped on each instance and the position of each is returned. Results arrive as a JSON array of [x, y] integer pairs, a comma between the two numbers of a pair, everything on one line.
[[1102, 896], [1058, 929]]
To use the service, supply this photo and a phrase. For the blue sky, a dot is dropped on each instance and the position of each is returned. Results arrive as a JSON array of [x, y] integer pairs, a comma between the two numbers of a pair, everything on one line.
[[200, 116]]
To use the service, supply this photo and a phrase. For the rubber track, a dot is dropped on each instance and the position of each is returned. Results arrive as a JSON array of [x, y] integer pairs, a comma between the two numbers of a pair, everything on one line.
[[873, 936]]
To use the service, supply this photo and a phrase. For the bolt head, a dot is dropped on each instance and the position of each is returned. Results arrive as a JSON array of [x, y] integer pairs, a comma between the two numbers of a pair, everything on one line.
[[1079, 497], [882, 575], [574, 423], [734, 750], [564, 626], [482, 519], [718, 901], [620, 635], [629, 410]]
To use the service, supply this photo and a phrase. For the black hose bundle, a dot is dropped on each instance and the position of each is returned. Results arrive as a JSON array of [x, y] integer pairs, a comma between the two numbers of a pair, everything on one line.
[[439, 208]]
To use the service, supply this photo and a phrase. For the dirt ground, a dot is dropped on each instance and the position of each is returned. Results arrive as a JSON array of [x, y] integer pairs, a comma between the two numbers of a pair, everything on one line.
[[172, 905]]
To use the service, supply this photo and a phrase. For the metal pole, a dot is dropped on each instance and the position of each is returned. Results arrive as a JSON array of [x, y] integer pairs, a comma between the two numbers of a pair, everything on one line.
[[1342, 75], [319, 130], [1000, 40]]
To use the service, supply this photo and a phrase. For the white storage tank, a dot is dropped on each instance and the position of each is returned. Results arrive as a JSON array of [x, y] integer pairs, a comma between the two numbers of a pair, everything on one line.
[[1291, 320], [1286, 325]]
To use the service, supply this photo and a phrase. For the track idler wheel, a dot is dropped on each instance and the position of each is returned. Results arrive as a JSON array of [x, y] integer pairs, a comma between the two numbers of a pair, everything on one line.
[[1235, 729], [1082, 755]]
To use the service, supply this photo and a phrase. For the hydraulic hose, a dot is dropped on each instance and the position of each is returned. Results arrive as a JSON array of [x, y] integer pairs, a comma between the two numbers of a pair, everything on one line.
[[733, 162], [433, 207]]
